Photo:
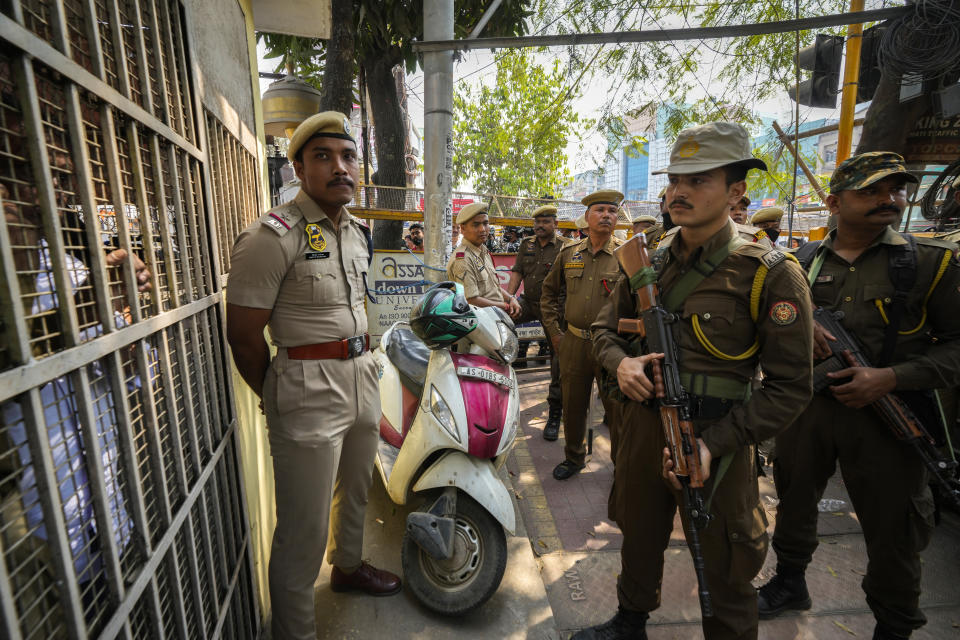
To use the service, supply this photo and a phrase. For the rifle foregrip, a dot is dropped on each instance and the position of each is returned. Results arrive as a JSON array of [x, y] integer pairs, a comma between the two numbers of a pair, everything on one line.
[[630, 325]]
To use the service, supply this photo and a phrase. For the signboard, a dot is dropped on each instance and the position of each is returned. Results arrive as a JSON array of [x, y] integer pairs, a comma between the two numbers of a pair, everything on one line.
[[396, 282], [769, 202], [933, 140]]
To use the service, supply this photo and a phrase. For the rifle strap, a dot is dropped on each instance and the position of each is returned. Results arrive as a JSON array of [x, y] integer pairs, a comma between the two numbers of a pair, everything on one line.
[[689, 281], [902, 271], [946, 425]]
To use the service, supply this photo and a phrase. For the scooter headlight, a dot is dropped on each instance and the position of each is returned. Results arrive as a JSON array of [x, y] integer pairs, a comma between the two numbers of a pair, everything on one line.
[[441, 411], [509, 345]]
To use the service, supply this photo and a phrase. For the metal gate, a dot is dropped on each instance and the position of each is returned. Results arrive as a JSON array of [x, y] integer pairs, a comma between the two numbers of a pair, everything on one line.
[[122, 510]]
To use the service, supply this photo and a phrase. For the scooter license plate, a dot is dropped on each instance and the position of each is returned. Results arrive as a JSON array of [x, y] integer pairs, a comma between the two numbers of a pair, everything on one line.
[[486, 374]]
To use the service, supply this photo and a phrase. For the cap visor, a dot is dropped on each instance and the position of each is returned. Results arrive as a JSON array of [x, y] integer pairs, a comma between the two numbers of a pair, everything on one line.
[[686, 168]]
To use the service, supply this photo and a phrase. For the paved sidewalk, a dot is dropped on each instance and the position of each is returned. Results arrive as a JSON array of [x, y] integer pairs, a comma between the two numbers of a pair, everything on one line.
[[578, 549]]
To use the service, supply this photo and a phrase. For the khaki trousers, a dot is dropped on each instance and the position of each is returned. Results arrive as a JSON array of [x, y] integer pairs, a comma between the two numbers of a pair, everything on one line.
[[887, 484], [734, 544], [529, 312], [578, 370], [323, 417]]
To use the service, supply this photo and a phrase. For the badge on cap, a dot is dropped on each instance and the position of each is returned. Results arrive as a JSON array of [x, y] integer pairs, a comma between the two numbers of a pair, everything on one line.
[[783, 313], [688, 149], [315, 237], [346, 126]]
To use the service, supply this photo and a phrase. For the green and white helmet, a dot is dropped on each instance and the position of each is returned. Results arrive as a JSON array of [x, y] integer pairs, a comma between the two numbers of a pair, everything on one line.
[[442, 315]]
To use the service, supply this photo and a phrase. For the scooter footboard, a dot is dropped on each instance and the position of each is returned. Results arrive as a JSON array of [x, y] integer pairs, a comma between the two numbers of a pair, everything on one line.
[[477, 478]]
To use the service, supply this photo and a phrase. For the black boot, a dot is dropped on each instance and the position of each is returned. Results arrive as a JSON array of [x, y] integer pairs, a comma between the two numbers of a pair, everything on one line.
[[626, 625], [883, 632], [786, 590], [521, 355], [552, 429]]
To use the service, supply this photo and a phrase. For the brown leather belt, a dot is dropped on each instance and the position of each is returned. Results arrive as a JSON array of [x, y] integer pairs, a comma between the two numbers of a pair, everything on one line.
[[337, 349]]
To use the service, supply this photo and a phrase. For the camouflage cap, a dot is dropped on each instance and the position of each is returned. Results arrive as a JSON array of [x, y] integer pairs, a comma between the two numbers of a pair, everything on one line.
[[857, 172], [711, 146]]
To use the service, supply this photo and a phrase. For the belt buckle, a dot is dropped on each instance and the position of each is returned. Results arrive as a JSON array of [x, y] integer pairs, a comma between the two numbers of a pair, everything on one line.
[[356, 346]]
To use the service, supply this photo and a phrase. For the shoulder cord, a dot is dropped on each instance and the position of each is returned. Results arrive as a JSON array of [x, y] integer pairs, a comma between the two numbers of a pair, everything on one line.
[[944, 263], [755, 291]]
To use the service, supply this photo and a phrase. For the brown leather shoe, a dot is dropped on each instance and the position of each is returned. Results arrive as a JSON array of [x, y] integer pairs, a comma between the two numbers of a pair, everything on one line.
[[369, 579]]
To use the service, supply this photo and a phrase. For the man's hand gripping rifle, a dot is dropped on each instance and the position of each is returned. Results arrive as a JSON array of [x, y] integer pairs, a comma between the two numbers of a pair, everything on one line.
[[895, 413], [654, 325]]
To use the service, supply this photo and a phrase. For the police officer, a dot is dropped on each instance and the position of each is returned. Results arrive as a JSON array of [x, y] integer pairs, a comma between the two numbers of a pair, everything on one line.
[[642, 223], [768, 220], [854, 271], [300, 270], [738, 212], [739, 305], [472, 266], [534, 258], [586, 273]]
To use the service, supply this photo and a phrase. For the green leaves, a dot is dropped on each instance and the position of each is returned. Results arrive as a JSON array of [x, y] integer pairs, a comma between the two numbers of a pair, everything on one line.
[[511, 135]]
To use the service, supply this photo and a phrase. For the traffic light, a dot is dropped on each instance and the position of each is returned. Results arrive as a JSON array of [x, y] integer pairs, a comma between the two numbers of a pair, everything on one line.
[[823, 59], [869, 77]]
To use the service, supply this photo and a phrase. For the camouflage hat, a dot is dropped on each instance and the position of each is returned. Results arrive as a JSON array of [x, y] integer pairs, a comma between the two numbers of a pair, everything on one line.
[[547, 210], [711, 146], [330, 124], [857, 172], [649, 219], [767, 214]]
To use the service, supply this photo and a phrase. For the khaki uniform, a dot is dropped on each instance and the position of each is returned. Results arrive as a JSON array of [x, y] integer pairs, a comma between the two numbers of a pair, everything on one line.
[[586, 279], [734, 544], [885, 478], [472, 266], [319, 412], [533, 264]]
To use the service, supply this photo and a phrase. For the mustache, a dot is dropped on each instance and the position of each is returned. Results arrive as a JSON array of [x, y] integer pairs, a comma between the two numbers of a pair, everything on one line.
[[338, 181], [884, 208], [680, 203]]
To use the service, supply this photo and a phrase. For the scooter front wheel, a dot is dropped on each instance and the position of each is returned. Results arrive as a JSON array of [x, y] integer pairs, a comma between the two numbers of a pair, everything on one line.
[[473, 572]]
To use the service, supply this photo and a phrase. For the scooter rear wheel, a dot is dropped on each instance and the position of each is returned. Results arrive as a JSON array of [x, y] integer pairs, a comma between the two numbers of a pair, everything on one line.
[[471, 575]]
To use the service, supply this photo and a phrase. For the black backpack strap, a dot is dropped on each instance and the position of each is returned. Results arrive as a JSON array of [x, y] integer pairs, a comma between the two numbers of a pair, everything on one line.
[[806, 253], [902, 268]]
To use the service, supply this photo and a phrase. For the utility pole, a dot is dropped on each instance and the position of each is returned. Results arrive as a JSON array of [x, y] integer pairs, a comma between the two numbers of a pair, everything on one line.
[[851, 71], [437, 139]]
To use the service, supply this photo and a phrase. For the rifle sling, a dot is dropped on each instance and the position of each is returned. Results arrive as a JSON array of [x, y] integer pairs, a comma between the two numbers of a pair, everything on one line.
[[684, 286]]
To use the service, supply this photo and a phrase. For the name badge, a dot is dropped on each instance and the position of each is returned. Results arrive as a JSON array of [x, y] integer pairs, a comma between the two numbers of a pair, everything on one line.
[[823, 279], [316, 255]]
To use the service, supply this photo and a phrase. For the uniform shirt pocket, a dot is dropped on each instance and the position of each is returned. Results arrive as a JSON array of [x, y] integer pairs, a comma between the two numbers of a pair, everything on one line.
[[358, 279], [324, 276], [714, 321], [573, 276], [608, 281]]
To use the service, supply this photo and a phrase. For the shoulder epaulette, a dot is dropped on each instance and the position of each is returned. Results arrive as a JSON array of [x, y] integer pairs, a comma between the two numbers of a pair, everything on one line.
[[773, 257], [939, 243], [767, 255], [283, 218], [460, 254]]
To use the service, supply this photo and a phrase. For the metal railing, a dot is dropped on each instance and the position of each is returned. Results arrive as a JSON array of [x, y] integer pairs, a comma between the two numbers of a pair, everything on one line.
[[122, 510]]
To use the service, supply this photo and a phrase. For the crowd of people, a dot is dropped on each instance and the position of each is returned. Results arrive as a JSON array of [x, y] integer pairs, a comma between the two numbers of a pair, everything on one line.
[[743, 321]]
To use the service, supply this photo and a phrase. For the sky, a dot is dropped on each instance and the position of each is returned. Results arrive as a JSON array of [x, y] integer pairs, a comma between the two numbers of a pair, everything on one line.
[[583, 154]]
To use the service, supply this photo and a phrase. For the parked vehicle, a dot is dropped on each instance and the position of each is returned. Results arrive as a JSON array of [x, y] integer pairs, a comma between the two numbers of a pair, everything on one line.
[[450, 409]]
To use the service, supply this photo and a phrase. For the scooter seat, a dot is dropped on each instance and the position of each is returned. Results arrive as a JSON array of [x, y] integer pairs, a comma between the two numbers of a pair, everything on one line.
[[411, 357]]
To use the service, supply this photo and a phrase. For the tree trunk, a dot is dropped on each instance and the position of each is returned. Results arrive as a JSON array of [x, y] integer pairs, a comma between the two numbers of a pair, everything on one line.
[[338, 74], [888, 121], [389, 128]]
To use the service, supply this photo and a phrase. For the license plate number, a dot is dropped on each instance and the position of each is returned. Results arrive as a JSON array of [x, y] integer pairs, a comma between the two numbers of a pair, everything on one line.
[[486, 374]]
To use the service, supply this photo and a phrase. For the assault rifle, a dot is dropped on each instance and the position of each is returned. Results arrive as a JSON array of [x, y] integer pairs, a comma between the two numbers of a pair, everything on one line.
[[672, 399], [895, 413]]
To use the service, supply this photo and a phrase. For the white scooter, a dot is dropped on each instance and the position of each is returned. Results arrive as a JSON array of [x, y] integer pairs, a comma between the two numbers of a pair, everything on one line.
[[450, 409]]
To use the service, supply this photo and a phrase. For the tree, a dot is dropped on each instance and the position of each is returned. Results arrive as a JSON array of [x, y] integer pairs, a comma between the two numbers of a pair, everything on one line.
[[503, 143]]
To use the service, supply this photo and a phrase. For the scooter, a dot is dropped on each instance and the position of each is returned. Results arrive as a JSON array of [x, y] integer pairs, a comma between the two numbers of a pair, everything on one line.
[[450, 409]]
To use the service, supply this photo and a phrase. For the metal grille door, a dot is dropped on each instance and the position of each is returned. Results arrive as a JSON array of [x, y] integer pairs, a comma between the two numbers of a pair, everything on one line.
[[122, 511]]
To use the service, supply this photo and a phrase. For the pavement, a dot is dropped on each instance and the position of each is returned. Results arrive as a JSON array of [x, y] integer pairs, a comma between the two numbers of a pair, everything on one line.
[[564, 560]]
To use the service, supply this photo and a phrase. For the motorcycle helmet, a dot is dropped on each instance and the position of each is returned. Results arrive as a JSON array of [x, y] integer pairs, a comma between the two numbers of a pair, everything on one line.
[[442, 315]]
